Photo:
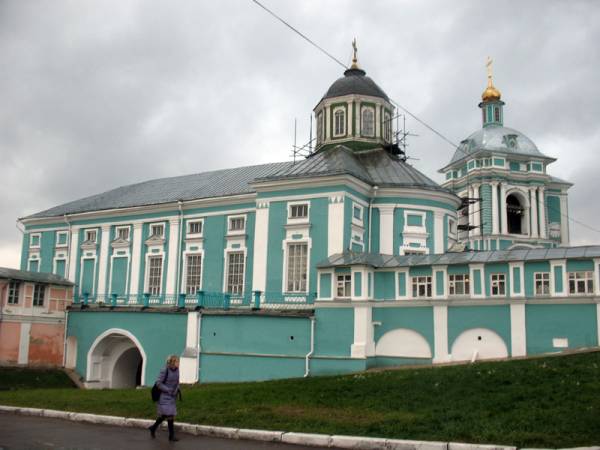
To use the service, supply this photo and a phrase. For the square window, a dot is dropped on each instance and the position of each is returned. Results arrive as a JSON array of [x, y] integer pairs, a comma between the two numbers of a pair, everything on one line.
[[498, 284], [123, 233], [34, 240], [62, 237], [581, 283], [458, 284], [299, 211], [90, 235], [237, 223], [157, 230], [357, 212], [421, 287], [542, 283], [195, 227]]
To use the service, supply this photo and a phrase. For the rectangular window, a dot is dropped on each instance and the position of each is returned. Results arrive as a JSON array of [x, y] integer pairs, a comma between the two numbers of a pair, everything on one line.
[[421, 286], [414, 220], [297, 267], [458, 284], [157, 230], [90, 235], [413, 251], [340, 122], [123, 233], [13, 292], [237, 223], [235, 273], [193, 274], [34, 240], [61, 237], [498, 284], [299, 211], [542, 283], [581, 283], [38, 294], [344, 282], [320, 128], [154, 274], [387, 127], [357, 212], [195, 227]]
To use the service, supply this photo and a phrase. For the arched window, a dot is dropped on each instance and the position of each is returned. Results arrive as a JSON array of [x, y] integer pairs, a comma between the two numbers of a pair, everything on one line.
[[387, 127], [320, 127], [339, 128], [496, 114], [368, 122], [514, 214]]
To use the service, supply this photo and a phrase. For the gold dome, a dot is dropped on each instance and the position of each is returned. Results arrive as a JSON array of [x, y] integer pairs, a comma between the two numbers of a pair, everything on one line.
[[490, 93]]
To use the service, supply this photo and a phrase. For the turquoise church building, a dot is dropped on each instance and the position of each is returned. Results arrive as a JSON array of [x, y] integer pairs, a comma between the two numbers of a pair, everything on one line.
[[346, 260]]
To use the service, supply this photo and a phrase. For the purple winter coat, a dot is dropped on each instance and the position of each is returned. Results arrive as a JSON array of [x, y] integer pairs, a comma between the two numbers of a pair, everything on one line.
[[166, 404]]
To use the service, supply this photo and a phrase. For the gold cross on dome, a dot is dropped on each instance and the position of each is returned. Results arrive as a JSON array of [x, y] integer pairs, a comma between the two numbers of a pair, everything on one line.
[[354, 57], [489, 69]]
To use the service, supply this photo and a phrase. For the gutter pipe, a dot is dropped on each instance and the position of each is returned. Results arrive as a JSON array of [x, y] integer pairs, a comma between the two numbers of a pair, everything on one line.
[[312, 347]]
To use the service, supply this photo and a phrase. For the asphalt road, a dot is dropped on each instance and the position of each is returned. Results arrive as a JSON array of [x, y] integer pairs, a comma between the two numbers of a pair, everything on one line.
[[35, 433]]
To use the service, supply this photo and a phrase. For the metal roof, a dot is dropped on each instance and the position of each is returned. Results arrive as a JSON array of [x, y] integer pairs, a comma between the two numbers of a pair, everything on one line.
[[36, 277], [354, 81], [376, 167], [379, 261], [218, 183]]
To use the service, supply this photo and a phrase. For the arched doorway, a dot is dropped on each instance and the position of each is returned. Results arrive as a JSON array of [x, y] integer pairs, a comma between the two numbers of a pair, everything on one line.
[[116, 360], [517, 214]]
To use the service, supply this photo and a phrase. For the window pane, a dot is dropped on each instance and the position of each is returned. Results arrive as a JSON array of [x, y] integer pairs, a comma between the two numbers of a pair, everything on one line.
[[193, 274], [235, 273], [297, 267], [154, 275]]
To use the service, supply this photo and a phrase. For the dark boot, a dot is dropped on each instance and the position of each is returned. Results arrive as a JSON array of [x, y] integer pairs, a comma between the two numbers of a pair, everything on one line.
[[171, 430], [153, 428]]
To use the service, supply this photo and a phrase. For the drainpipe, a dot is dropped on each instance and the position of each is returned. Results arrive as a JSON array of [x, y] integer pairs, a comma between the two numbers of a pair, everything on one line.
[[312, 347], [375, 188], [198, 347], [177, 279], [68, 264]]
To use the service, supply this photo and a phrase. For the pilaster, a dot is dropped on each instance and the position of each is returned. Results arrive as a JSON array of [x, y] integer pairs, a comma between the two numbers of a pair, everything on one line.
[[136, 254], [335, 225], [518, 335], [476, 211], [440, 337], [503, 217], [438, 232], [534, 209], [261, 240], [103, 260], [495, 218], [364, 344], [386, 229], [542, 212], [73, 250], [174, 224]]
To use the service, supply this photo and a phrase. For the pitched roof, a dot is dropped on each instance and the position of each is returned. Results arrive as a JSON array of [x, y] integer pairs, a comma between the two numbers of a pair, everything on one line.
[[36, 277], [218, 183], [377, 260]]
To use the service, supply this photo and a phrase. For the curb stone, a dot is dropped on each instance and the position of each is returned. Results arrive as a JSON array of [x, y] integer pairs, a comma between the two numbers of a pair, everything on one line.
[[308, 439]]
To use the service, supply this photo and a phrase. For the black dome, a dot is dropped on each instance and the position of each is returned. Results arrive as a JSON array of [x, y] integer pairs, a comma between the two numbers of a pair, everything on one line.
[[355, 81]]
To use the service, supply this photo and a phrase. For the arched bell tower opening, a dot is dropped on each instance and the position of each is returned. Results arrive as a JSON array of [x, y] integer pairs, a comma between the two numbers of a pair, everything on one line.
[[116, 360], [517, 214]]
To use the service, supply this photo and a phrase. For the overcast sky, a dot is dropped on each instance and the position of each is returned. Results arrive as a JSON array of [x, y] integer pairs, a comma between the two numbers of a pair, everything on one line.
[[95, 95]]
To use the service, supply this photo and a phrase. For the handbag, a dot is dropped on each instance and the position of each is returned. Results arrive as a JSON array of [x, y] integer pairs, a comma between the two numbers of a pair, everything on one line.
[[155, 391]]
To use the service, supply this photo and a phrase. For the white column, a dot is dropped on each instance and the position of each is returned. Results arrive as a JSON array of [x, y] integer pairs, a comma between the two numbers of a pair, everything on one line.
[[188, 367], [438, 231], [103, 260], [386, 229], [136, 254], [476, 211], [495, 218], [564, 220], [470, 209], [364, 344], [261, 239], [542, 215], [503, 208], [533, 213], [440, 330], [335, 225], [73, 253], [24, 337], [173, 253], [518, 337]]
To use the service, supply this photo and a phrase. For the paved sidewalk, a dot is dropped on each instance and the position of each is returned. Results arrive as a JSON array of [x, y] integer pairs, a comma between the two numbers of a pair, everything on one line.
[[37, 433]]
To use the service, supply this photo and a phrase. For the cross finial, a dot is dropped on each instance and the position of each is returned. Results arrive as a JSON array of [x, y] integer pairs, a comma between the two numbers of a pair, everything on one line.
[[489, 70], [354, 57]]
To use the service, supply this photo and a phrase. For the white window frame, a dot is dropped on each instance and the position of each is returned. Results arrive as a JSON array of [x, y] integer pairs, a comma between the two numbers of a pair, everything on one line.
[[588, 276], [34, 258], [152, 227], [363, 110], [406, 249], [228, 254], [425, 281], [452, 283], [39, 236], [452, 227], [387, 126], [358, 221], [345, 283], [10, 292], [55, 260], [194, 222], [297, 220], [185, 271], [342, 132], [544, 279], [90, 230], [147, 275], [112, 267], [229, 221], [62, 233], [118, 229], [287, 245], [498, 281]]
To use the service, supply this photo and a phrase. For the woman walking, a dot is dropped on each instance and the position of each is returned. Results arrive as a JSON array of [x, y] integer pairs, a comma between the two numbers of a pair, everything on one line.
[[168, 383]]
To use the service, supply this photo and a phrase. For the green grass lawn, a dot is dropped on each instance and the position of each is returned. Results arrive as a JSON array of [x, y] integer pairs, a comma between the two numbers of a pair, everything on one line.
[[549, 402]]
